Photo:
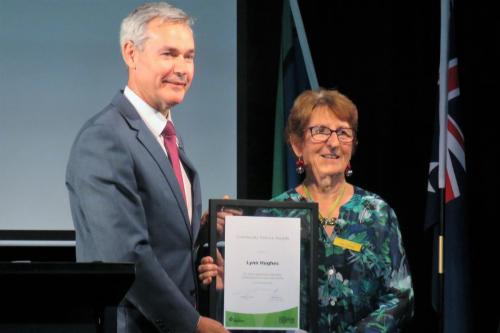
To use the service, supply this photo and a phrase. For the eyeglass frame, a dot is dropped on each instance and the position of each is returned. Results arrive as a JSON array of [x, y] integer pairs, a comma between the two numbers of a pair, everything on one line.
[[331, 132]]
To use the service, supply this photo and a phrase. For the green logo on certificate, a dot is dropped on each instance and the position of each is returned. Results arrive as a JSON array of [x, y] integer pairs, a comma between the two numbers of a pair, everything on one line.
[[283, 319]]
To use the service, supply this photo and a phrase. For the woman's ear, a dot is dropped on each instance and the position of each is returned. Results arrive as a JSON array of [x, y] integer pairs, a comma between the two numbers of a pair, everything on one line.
[[297, 145], [354, 146]]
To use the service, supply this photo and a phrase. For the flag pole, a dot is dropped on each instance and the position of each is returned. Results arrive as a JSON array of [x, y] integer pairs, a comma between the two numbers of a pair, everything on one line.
[[304, 45], [443, 123], [296, 74], [441, 286]]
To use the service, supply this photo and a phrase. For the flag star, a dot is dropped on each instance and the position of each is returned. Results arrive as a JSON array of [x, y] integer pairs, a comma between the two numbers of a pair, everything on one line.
[[432, 166]]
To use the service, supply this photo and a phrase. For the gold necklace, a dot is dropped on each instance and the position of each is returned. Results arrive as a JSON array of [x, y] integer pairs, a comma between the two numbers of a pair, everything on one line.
[[329, 220]]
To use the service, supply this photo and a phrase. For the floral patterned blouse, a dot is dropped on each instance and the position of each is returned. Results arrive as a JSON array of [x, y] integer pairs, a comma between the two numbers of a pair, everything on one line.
[[369, 290]]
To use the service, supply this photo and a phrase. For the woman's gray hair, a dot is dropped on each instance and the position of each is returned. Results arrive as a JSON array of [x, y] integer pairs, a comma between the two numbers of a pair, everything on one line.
[[133, 27]]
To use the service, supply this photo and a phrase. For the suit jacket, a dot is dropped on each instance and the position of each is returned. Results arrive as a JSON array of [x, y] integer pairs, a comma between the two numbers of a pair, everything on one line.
[[127, 206]]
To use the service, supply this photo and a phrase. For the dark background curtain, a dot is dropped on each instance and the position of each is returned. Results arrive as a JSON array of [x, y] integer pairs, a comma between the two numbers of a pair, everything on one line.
[[384, 55]]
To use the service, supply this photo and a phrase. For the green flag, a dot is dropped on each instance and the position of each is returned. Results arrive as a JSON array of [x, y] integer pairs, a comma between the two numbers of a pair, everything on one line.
[[293, 78]]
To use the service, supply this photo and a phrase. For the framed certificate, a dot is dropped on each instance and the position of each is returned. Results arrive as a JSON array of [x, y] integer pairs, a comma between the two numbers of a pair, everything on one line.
[[268, 253]]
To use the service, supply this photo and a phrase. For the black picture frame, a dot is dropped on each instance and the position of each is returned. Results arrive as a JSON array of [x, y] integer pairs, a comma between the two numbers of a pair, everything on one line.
[[308, 213]]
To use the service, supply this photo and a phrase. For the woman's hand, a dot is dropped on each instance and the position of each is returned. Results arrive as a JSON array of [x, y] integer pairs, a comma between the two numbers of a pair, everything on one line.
[[208, 270]]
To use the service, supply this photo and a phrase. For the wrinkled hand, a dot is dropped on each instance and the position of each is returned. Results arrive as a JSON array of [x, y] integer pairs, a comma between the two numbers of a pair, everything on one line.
[[208, 270], [207, 325]]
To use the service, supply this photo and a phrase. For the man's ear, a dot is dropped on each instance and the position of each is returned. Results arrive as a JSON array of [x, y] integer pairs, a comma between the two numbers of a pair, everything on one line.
[[129, 52], [297, 145]]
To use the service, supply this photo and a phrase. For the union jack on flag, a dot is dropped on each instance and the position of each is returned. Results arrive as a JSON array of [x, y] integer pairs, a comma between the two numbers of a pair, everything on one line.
[[455, 152]]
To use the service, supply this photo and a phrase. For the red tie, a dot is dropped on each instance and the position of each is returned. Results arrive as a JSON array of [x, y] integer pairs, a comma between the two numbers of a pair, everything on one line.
[[170, 142]]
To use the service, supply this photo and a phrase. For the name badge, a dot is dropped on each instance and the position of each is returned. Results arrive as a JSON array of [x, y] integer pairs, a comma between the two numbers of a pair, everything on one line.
[[347, 244]]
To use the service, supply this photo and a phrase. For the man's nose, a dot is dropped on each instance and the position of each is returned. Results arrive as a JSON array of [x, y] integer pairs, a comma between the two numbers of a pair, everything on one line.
[[180, 66]]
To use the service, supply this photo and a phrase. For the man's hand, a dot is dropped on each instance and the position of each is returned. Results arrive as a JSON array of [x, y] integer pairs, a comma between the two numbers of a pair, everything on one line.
[[207, 325], [208, 270], [221, 217]]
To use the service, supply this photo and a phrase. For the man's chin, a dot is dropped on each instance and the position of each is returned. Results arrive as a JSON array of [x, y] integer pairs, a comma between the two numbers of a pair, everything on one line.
[[173, 99]]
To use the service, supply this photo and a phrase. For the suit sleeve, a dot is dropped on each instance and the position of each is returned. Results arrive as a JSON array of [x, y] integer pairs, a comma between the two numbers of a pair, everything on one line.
[[395, 303], [111, 225]]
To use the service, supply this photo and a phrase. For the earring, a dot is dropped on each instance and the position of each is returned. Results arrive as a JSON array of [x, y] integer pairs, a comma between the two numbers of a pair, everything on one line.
[[299, 166], [348, 170]]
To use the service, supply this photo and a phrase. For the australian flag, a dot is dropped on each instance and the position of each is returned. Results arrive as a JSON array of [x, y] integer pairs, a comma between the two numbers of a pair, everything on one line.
[[454, 311]]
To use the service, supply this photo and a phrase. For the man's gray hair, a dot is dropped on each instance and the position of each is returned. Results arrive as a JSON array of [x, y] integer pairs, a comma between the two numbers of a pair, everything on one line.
[[133, 27]]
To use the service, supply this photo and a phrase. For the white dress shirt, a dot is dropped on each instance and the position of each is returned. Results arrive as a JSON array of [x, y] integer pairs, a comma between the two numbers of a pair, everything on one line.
[[156, 122]]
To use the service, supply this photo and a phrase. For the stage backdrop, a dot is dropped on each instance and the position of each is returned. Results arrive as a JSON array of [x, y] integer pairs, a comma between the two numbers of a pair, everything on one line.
[[60, 64]]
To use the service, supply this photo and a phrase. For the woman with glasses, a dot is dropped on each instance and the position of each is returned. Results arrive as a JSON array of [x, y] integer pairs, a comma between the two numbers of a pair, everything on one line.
[[363, 276]]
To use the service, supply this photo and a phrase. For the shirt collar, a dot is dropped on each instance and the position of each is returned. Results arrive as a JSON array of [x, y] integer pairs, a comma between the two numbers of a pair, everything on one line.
[[154, 119]]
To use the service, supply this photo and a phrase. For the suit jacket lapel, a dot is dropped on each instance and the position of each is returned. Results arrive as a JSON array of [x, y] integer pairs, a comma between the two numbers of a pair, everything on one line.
[[147, 139], [195, 188]]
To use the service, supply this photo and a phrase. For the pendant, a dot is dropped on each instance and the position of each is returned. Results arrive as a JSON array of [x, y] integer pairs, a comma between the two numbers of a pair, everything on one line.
[[330, 221]]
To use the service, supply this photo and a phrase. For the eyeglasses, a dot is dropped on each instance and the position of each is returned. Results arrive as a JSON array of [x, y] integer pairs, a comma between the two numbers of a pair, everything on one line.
[[322, 134]]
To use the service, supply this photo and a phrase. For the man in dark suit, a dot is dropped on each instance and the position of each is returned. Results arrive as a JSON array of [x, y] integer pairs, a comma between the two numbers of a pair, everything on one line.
[[134, 195]]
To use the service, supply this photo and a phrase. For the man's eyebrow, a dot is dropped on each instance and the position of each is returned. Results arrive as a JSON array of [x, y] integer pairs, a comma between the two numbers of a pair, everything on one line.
[[172, 48], [168, 48]]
